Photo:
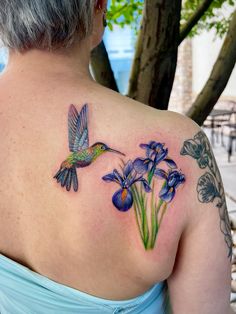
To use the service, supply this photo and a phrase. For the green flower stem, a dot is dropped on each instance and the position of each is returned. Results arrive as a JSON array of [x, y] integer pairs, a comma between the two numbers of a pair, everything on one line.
[[145, 228], [137, 220], [150, 176], [164, 208], [136, 198], [155, 209], [141, 206], [160, 204], [137, 212], [154, 222]]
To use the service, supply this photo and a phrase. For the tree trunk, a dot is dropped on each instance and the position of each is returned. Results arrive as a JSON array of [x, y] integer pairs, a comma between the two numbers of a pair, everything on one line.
[[218, 79], [101, 67], [155, 58]]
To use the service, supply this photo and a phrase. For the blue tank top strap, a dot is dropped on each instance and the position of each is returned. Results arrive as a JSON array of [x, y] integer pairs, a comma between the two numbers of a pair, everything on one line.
[[23, 291]]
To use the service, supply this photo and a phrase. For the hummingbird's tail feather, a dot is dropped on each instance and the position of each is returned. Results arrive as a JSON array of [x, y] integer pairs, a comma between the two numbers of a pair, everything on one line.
[[74, 179], [66, 176]]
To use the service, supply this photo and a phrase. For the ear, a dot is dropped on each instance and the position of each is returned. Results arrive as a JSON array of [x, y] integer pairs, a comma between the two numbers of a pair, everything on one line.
[[100, 5], [98, 28]]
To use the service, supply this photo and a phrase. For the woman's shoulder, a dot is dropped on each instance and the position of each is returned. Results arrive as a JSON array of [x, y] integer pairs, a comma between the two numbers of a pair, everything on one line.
[[149, 117]]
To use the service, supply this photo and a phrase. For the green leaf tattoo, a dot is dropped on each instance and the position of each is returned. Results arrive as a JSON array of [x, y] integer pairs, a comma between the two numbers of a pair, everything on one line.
[[209, 187]]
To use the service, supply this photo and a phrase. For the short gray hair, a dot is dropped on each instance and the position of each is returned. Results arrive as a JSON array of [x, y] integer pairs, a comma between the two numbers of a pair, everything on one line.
[[45, 24]]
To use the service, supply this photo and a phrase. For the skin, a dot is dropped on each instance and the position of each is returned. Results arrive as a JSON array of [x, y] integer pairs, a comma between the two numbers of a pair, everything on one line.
[[83, 230]]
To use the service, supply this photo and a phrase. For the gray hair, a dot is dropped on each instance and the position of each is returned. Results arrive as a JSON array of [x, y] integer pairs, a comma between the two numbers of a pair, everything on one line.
[[45, 24]]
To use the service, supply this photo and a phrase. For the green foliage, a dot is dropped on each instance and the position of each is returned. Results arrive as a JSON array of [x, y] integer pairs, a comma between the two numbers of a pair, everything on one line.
[[217, 17], [128, 12], [123, 12]]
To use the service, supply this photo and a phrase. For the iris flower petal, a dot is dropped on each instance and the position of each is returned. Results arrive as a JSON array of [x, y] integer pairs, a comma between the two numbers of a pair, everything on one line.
[[118, 176], [153, 145], [110, 178], [157, 145], [167, 194], [141, 165], [145, 184], [170, 163], [173, 178], [160, 173], [144, 146], [152, 154], [148, 153], [123, 199], [164, 190], [160, 156], [150, 165], [180, 181], [128, 168]]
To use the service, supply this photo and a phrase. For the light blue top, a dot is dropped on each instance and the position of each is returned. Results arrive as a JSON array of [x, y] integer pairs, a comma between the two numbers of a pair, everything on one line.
[[23, 291]]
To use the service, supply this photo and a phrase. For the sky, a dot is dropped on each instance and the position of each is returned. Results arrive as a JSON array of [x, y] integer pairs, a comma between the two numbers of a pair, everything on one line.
[[3, 55]]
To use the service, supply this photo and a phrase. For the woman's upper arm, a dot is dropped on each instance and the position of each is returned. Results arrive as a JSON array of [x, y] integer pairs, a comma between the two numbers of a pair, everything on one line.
[[200, 281]]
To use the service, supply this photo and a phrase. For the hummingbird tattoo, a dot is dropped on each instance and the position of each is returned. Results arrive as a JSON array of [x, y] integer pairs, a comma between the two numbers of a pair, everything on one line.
[[82, 155]]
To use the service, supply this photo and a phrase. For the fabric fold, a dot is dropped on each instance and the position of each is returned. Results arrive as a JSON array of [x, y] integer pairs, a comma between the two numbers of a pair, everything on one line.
[[23, 291]]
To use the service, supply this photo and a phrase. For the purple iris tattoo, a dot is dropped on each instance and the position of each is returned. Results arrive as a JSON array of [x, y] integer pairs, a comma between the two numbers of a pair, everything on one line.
[[155, 153], [149, 208], [123, 198], [173, 179]]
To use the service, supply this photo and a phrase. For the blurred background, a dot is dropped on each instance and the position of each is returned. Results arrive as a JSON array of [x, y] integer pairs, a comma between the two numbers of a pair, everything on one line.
[[178, 56]]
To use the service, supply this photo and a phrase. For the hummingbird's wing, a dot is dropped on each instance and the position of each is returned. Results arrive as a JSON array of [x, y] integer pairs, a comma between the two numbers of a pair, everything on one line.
[[78, 128]]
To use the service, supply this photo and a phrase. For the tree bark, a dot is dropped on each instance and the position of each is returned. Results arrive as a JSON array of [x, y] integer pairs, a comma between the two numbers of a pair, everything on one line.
[[155, 58], [193, 20], [133, 78], [218, 79], [101, 67]]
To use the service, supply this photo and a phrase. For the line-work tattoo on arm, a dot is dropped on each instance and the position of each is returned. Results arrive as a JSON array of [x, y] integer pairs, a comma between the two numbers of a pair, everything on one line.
[[137, 179], [209, 186]]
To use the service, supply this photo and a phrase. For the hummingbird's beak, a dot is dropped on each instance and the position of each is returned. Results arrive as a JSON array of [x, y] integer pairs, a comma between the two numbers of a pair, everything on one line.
[[115, 151]]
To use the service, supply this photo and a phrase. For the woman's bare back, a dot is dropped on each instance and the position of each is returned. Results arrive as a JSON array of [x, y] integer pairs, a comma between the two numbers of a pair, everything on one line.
[[76, 237], [80, 239]]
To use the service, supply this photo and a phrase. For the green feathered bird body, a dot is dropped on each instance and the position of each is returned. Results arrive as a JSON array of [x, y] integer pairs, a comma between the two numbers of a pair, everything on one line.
[[84, 157]]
